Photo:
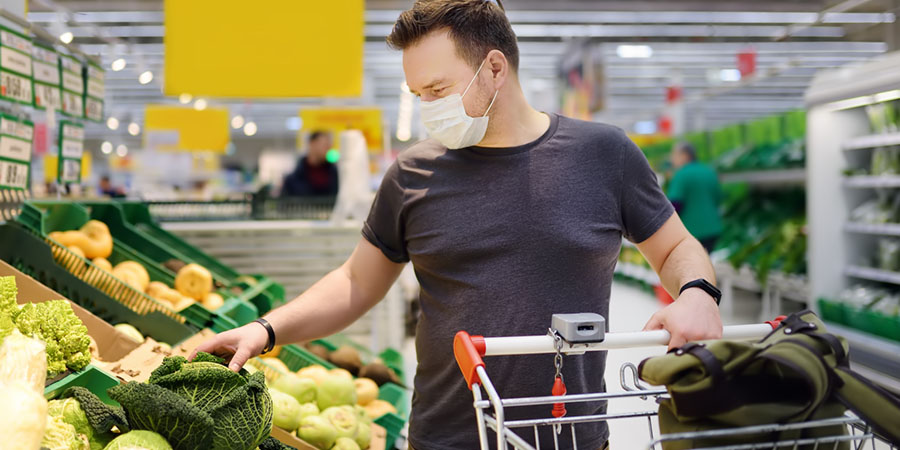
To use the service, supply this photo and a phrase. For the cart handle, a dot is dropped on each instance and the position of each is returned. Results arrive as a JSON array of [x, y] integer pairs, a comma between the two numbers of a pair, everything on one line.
[[469, 350]]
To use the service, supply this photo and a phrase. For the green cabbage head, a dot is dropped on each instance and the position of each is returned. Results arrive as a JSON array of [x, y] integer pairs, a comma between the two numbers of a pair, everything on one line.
[[199, 404]]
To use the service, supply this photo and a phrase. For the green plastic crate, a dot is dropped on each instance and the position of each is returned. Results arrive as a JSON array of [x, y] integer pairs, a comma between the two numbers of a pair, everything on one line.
[[91, 377], [832, 311], [139, 216], [390, 357], [56, 216], [94, 290], [874, 322]]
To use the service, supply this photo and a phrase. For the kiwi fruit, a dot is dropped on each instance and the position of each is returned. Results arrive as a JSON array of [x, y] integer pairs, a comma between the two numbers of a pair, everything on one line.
[[347, 357], [319, 350], [379, 373]]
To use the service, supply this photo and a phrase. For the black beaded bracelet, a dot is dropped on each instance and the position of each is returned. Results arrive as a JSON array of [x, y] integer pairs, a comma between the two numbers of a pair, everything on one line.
[[271, 344]]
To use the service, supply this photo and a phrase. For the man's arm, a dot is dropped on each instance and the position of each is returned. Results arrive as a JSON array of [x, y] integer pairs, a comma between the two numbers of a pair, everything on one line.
[[330, 305], [678, 258]]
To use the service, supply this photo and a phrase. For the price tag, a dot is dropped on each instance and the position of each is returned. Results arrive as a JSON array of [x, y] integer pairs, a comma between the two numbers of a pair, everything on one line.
[[71, 150], [15, 60], [47, 96], [17, 149], [17, 129], [72, 104], [93, 109], [9, 38], [72, 82], [13, 175], [15, 87]]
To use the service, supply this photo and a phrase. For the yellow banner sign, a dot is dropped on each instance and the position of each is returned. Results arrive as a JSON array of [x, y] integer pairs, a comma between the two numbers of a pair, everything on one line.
[[175, 128], [335, 120], [276, 48]]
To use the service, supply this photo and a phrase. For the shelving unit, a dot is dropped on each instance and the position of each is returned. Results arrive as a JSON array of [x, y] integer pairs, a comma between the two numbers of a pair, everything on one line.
[[767, 177], [839, 138]]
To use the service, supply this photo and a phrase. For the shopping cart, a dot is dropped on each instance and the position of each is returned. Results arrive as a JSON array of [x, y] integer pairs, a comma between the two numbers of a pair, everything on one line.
[[490, 412]]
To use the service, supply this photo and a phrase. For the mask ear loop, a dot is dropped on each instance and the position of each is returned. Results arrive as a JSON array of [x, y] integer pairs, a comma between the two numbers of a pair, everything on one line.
[[474, 78], [492, 103]]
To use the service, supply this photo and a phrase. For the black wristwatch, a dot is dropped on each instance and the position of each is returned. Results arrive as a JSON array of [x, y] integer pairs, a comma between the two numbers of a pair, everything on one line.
[[708, 287], [270, 345]]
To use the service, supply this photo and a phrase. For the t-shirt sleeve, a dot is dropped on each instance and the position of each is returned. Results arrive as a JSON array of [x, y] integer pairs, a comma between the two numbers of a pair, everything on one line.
[[384, 228], [644, 207]]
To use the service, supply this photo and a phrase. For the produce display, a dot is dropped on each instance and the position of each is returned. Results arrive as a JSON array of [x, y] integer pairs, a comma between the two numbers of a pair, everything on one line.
[[349, 359], [884, 117], [53, 322], [23, 368]]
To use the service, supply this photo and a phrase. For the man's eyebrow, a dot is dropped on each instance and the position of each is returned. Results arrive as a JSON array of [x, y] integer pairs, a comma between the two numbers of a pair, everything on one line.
[[429, 85]]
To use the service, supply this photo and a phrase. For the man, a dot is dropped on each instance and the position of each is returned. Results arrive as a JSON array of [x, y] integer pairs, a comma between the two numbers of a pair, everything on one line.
[[508, 216], [695, 192], [314, 174]]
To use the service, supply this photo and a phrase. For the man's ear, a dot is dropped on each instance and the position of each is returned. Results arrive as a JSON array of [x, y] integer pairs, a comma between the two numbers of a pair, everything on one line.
[[498, 66]]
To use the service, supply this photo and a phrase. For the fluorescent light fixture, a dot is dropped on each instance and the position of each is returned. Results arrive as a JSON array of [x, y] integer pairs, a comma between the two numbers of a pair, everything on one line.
[[250, 128], [106, 147], [732, 75], [184, 99], [67, 37], [134, 129], [200, 104], [645, 127], [145, 77], [121, 150], [634, 51], [112, 123], [293, 123], [237, 121], [118, 65], [865, 100]]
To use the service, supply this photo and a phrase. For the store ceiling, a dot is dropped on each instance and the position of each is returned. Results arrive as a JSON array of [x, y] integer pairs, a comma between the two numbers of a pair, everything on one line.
[[692, 40]]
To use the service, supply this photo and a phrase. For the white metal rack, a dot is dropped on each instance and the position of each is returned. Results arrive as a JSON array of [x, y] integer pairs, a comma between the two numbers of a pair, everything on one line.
[[780, 177], [839, 138]]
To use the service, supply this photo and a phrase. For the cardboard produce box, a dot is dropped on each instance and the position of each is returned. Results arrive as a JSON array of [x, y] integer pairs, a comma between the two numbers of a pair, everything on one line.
[[379, 439], [112, 345], [142, 360]]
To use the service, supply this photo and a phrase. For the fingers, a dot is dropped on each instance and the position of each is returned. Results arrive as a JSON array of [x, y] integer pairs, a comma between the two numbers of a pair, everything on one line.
[[676, 341], [655, 323], [208, 346], [240, 358]]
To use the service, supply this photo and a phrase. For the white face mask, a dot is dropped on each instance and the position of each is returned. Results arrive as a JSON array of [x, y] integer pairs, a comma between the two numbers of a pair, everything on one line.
[[446, 119]]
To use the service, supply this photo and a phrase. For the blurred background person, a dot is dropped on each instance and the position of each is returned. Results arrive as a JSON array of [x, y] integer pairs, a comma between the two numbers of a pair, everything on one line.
[[314, 175], [108, 190], [695, 192]]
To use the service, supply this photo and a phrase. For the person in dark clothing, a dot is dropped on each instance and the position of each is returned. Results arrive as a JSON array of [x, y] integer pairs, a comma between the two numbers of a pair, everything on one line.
[[695, 192], [314, 175]]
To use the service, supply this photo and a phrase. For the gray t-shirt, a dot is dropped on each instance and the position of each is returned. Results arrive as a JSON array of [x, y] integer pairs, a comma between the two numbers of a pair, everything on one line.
[[501, 239]]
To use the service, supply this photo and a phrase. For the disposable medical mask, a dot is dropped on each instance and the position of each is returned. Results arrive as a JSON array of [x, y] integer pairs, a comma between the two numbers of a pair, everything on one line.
[[446, 119]]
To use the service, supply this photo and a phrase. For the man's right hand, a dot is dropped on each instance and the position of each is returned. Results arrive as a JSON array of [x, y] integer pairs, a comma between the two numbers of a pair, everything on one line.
[[237, 345]]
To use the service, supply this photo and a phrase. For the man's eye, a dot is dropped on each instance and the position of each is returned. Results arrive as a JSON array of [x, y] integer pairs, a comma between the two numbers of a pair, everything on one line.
[[438, 91]]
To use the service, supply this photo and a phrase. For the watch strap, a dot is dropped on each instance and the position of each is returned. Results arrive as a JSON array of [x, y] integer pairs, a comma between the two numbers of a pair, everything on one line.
[[270, 345], [707, 287]]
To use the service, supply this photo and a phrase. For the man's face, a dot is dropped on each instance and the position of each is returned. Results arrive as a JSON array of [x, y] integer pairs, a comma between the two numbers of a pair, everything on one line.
[[319, 146], [434, 70], [678, 158]]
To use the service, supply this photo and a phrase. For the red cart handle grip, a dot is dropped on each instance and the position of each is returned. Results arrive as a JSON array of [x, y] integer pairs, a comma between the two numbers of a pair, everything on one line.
[[468, 351]]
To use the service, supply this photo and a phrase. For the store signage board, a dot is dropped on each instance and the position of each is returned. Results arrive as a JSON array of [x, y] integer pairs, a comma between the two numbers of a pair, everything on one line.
[[47, 93], [177, 128], [16, 136], [71, 150], [94, 91], [367, 120], [15, 67], [72, 78], [232, 48]]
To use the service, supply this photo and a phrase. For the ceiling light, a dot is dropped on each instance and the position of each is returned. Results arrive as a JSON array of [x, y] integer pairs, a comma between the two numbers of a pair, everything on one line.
[[184, 99], [117, 65], [732, 75], [112, 123], [66, 37], [200, 104], [106, 147], [645, 127], [237, 121], [134, 129], [293, 123], [145, 77], [121, 150], [250, 128], [634, 51]]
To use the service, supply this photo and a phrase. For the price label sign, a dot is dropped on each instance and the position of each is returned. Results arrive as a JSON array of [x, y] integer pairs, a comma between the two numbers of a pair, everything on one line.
[[47, 81], [72, 81], [94, 91], [16, 137], [71, 150], [15, 67]]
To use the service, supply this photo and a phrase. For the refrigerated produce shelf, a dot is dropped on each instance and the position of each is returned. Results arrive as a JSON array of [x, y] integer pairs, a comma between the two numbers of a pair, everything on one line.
[[872, 274], [871, 181], [872, 141], [767, 177], [877, 229]]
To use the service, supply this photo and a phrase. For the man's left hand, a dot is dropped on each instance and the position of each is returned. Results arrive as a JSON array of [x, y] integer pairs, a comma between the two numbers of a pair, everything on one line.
[[693, 317]]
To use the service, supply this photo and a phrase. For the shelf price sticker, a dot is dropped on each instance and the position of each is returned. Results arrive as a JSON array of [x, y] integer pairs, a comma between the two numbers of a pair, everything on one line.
[[95, 90], [15, 152], [15, 67], [71, 150], [47, 81], [72, 76]]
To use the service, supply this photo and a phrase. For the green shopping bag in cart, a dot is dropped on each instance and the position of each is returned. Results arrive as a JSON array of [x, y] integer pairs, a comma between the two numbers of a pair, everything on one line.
[[798, 373]]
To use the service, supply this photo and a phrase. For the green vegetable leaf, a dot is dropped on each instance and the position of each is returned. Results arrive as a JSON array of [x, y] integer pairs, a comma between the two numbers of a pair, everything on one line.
[[100, 416], [274, 444], [239, 414], [155, 408]]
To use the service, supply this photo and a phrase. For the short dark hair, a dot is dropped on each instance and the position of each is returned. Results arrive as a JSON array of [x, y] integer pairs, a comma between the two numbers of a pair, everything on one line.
[[476, 27], [688, 150], [317, 134]]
